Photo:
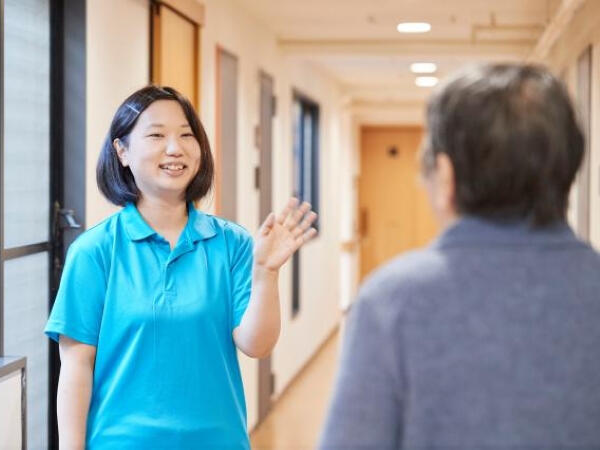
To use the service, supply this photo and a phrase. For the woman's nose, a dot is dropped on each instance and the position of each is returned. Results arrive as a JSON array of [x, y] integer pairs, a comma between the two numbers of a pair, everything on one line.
[[173, 147]]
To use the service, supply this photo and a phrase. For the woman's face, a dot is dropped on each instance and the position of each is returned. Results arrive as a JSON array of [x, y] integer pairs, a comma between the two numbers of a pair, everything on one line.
[[163, 153]]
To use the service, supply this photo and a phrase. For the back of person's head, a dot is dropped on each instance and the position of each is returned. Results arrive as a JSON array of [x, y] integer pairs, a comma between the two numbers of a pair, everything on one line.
[[512, 136]]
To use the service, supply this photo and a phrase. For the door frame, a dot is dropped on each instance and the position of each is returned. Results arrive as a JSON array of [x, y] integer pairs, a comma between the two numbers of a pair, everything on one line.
[[67, 160], [584, 101], [266, 379], [67, 69], [218, 154]]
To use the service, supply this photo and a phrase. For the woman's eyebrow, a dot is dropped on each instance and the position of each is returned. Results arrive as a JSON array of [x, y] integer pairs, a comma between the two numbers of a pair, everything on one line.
[[160, 125]]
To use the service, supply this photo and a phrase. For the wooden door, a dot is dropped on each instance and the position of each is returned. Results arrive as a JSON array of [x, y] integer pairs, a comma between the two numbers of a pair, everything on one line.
[[394, 212], [175, 47]]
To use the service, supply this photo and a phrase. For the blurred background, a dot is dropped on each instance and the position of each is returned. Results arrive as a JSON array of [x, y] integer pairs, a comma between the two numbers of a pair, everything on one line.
[[323, 99]]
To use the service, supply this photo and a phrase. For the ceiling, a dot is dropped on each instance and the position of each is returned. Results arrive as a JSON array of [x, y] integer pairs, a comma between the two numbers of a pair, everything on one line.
[[356, 41]]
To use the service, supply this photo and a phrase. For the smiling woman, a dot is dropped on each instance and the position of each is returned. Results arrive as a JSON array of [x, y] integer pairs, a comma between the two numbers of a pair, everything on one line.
[[150, 120], [155, 301]]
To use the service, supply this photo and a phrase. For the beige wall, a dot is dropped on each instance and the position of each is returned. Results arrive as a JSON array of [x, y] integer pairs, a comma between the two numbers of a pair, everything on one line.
[[118, 46], [255, 46], [115, 70]]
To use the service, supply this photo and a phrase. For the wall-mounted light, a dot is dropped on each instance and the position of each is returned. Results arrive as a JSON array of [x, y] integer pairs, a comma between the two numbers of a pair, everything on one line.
[[423, 67], [413, 27], [426, 81]]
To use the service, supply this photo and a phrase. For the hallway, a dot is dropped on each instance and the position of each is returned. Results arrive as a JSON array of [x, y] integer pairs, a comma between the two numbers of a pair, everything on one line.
[[297, 416]]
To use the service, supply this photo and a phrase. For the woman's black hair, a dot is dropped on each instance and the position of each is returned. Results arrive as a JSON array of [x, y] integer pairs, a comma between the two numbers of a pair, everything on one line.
[[115, 181]]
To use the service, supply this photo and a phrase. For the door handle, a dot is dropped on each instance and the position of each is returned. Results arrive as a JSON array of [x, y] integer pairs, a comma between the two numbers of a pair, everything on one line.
[[63, 219], [363, 223]]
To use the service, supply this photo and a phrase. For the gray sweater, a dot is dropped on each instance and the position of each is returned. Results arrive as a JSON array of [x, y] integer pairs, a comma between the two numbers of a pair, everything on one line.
[[488, 339]]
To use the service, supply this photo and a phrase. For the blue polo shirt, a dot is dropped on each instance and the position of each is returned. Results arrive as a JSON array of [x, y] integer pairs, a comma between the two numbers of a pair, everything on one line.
[[166, 372]]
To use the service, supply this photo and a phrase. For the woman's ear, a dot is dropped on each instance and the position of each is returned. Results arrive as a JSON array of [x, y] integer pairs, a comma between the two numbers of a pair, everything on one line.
[[121, 151]]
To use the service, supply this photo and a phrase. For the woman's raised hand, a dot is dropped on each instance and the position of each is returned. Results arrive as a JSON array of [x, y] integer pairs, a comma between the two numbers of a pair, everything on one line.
[[281, 235]]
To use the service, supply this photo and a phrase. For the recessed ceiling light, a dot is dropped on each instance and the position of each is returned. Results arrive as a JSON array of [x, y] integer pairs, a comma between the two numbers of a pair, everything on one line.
[[426, 81], [413, 27], [423, 67]]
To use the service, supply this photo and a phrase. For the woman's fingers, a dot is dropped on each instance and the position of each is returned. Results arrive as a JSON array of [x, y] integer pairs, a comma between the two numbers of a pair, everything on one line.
[[268, 224], [293, 219], [289, 207], [305, 224], [305, 237]]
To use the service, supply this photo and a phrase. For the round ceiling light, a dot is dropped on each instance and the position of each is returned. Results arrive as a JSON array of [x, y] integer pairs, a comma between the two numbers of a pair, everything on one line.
[[423, 67], [413, 27], [426, 81]]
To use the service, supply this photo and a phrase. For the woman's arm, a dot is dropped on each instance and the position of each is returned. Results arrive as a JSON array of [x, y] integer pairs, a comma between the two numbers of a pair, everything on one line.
[[74, 391], [258, 331], [278, 238]]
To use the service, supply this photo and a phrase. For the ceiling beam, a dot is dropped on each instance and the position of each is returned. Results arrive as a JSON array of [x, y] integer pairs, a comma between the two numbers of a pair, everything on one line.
[[421, 49], [557, 26]]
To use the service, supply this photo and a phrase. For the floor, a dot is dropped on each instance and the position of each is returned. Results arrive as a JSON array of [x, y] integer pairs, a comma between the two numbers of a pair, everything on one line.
[[297, 417]]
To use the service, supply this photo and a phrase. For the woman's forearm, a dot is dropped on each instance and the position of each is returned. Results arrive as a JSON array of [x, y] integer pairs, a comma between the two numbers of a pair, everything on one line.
[[73, 402], [258, 332], [74, 392]]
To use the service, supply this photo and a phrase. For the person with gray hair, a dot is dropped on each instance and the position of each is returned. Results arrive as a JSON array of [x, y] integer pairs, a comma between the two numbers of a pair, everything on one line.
[[489, 337]]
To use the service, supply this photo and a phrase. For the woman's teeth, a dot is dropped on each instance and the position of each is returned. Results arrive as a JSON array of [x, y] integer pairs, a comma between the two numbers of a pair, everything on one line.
[[172, 166]]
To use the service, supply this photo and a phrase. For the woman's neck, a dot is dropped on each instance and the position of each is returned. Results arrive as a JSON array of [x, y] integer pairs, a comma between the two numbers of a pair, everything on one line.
[[163, 216]]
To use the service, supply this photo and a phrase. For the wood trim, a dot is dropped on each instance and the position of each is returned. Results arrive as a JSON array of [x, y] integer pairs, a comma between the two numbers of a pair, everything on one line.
[[217, 153], [192, 10], [155, 46], [584, 87], [196, 100], [198, 66]]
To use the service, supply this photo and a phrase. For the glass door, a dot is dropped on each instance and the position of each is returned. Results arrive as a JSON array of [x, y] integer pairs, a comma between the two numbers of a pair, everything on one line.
[[25, 200]]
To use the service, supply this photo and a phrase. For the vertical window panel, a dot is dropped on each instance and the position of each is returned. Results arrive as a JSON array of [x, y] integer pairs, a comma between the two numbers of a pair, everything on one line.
[[26, 121], [305, 132]]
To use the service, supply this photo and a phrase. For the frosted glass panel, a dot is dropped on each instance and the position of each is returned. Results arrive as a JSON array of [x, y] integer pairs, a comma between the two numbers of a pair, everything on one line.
[[26, 121], [25, 315]]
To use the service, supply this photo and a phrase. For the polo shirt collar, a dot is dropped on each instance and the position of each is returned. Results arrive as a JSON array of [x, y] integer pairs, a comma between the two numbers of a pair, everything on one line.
[[199, 226], [136, 226]]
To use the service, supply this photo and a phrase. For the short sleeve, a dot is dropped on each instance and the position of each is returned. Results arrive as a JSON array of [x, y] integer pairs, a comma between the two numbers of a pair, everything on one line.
[[77, 310], [241, 273]]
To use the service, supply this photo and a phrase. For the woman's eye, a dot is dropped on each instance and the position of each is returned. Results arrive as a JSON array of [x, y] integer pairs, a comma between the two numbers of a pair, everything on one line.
[[187, 135], [155, 135]]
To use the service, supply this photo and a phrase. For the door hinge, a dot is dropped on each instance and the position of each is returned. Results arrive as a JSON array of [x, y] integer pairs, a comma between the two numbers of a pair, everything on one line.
[[273, 105], [257, 137], [257, 177], [272, 387]]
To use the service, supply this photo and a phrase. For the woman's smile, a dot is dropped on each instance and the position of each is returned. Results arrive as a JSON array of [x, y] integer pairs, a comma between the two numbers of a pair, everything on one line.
[[173, 169]]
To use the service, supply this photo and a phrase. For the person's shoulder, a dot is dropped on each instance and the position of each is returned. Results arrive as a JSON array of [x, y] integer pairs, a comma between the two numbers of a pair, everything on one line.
[[96, 240], [396, 283], [227, 227], [410, 269]]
